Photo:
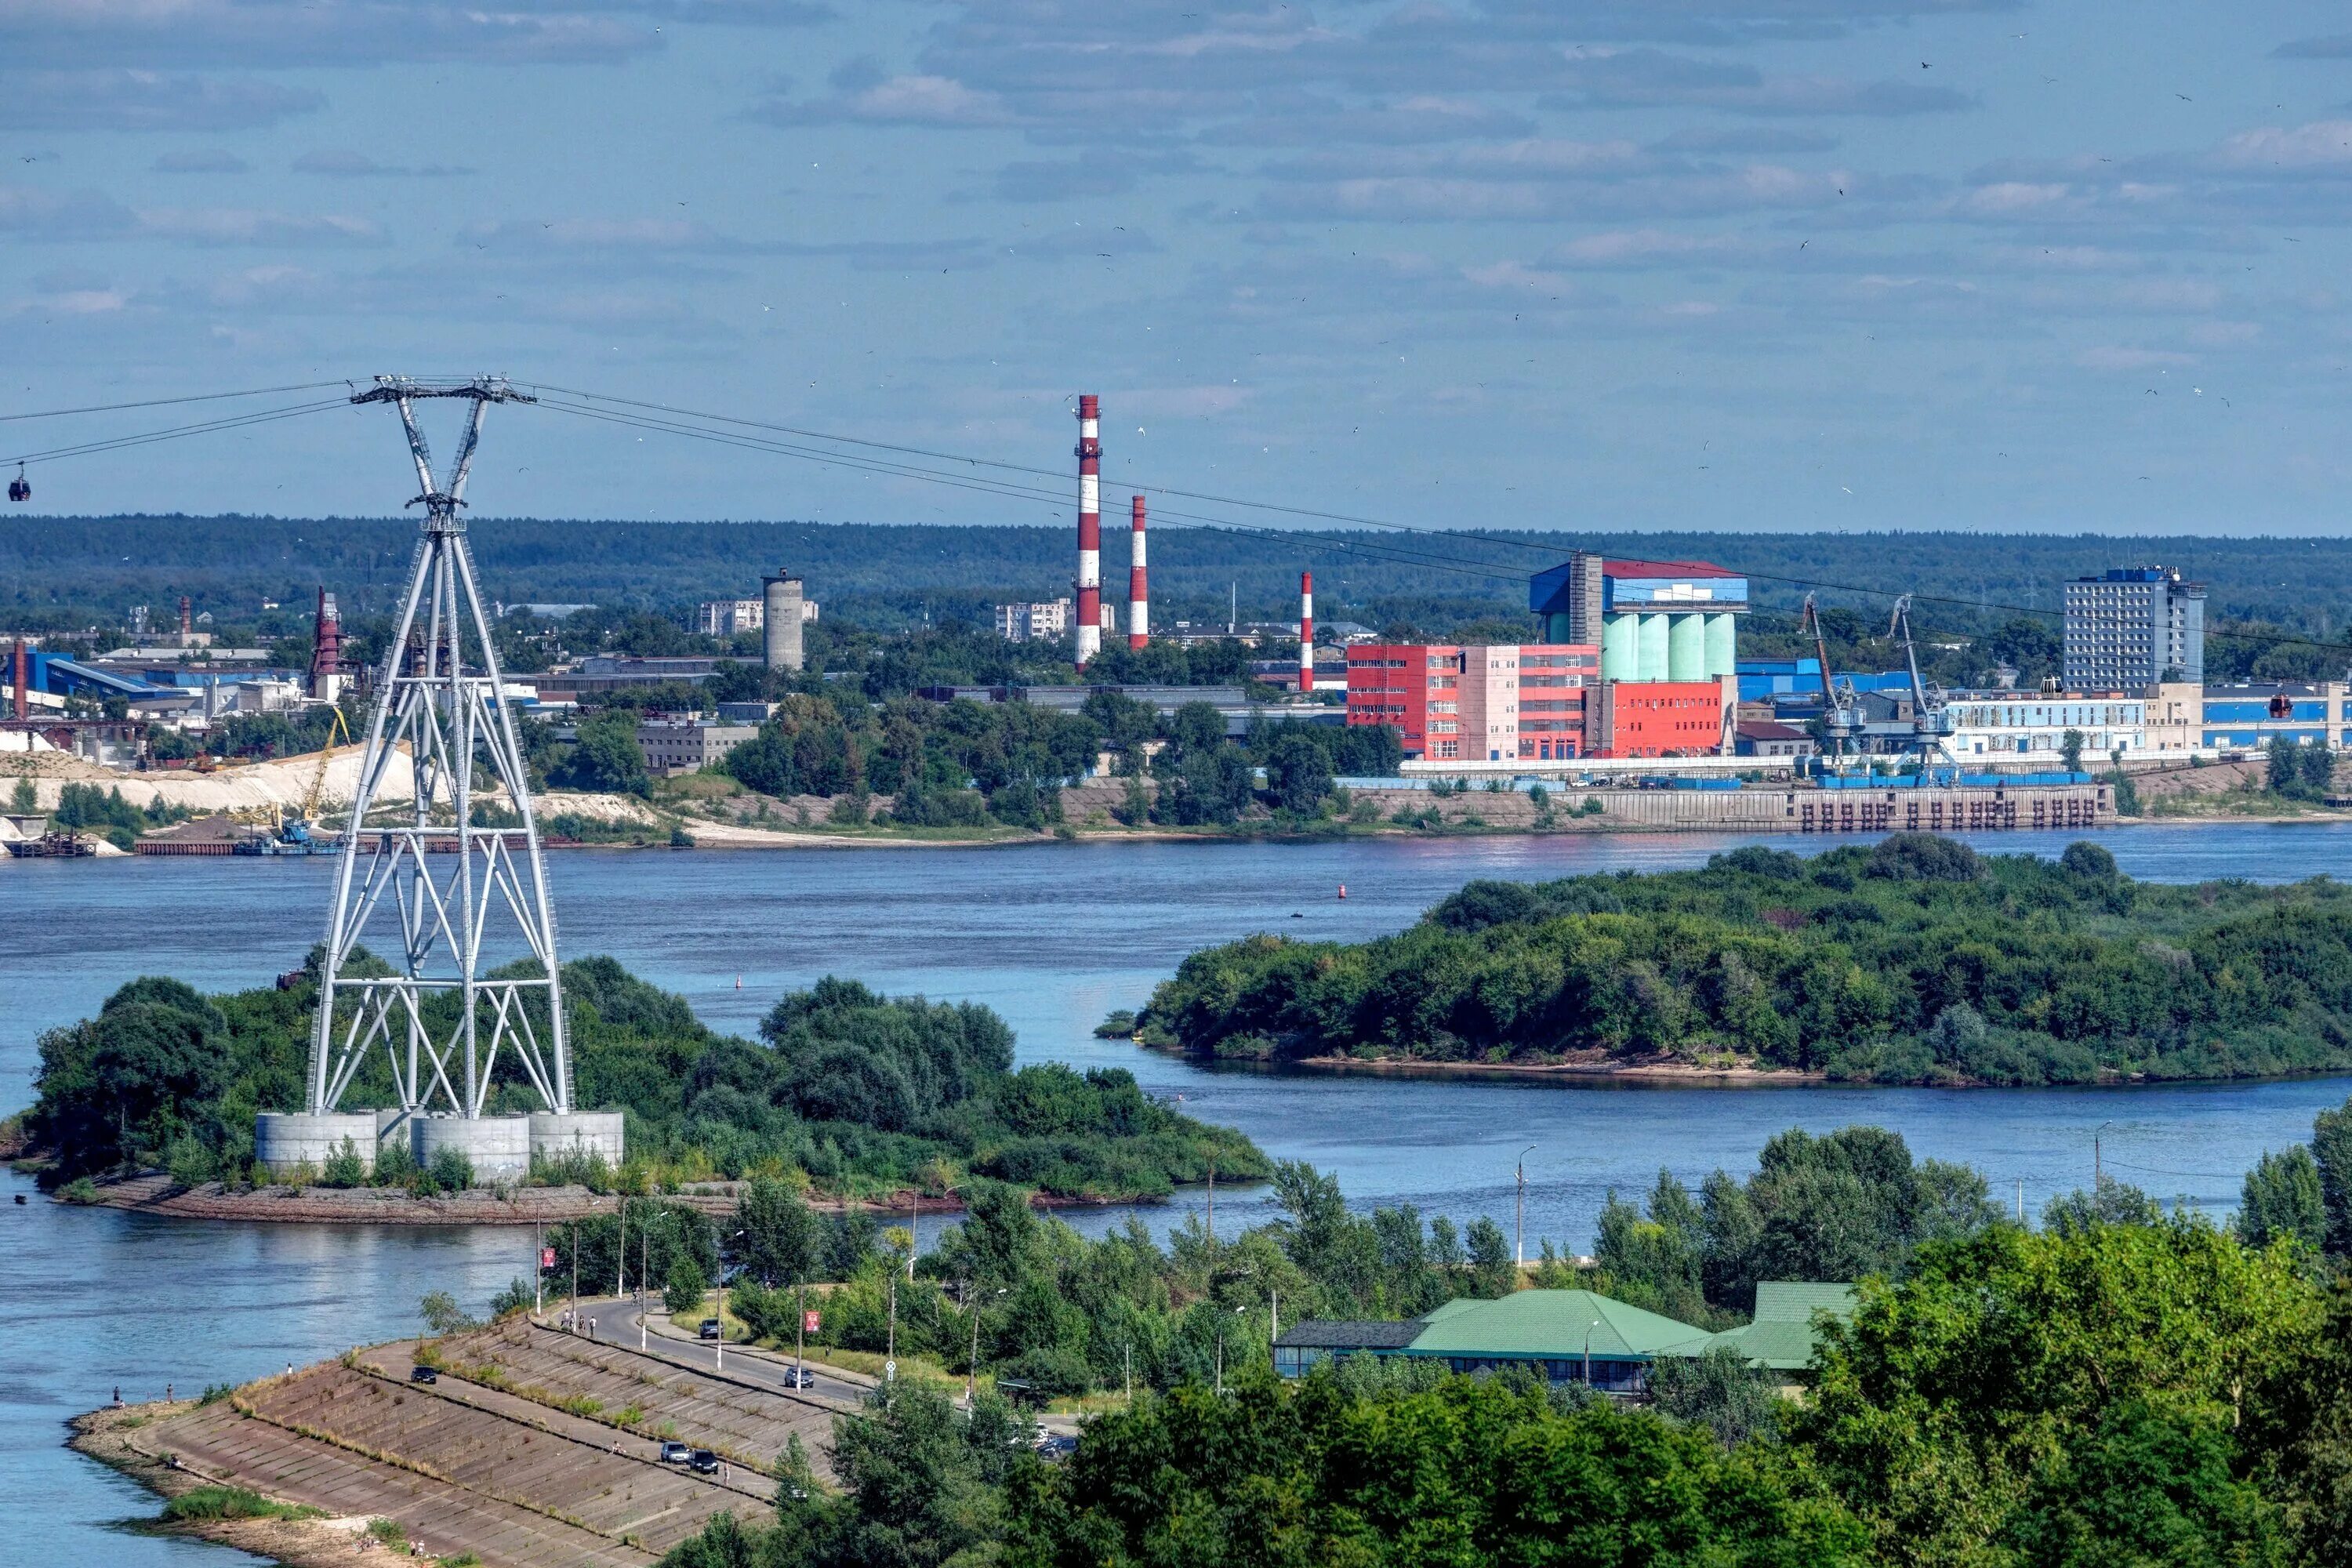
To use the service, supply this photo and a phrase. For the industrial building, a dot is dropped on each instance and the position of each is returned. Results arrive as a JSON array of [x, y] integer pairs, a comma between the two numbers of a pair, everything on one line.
[[673, 746], [1530, 702], [1652, 620], [1574, 1336], [2133, 628], [2252, 715]]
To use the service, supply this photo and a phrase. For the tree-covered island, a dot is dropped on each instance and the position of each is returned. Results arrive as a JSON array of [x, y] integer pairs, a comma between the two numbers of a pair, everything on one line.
[[1915, 959]]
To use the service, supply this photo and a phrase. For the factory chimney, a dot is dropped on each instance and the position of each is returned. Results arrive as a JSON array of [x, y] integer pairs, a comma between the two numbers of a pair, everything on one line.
[[1088, 633], [327, 650], [780, 618], [23, 675], [188, 621], [1307, 631], [1138, 593]]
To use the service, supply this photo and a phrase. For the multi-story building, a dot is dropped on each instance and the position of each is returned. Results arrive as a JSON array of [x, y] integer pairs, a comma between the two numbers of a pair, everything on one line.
[[2304, 712], [1521, 701], [2132, 628], [1040, 622], [1662, 718], [688, 745], [2032, 726], [1654, 620], [725, 617]]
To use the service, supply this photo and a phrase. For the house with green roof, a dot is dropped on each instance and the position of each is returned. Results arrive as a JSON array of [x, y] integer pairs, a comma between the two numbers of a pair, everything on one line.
[[1571, 1336]]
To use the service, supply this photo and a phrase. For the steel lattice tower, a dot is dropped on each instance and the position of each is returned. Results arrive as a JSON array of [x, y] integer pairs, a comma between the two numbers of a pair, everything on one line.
[[441, 925]]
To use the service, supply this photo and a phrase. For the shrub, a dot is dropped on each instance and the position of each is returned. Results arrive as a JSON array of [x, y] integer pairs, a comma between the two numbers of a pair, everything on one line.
[[234, 1503], [345, 1167], [687, 1286], [451, 1170]]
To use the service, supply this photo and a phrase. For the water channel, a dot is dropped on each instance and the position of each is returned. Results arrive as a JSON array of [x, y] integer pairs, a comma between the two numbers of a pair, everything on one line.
[[1052, 937]]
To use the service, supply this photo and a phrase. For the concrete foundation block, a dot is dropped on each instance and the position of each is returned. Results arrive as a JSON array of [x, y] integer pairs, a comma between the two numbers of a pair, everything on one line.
[[285, 1141], [597, 1133], [497, 1147]]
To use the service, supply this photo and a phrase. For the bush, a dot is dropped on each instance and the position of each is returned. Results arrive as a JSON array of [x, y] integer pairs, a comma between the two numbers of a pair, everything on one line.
[[451, 1170], [344, 1168], [234, 1503]]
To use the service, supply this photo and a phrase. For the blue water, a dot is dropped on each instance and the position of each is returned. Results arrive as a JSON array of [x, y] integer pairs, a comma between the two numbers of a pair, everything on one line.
[[1053, 936]]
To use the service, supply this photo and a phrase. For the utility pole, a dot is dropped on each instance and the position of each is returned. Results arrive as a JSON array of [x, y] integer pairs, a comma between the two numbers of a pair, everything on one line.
[[575, 1276], [538, 1273], [644, 1297], [914, 1231], [971, 1371], [890, 1356], [621, 1250], [800, 1337], [2021, 1200], [1520, 1223], [1129, 1347], [1276, 1331], [1212, 1200]]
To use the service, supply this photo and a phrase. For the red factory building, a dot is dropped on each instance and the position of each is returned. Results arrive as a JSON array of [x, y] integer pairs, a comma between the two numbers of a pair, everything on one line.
[[1449, 703]]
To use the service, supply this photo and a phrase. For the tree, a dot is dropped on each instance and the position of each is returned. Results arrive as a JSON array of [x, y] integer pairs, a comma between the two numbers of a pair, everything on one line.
[[781, 1239], [1298, 773], [2331, 1150], [2070, 750], [2109, 1202], [606, 758], [2283, 1202], [1719, 1391], [685, 1288], [442, 1314]]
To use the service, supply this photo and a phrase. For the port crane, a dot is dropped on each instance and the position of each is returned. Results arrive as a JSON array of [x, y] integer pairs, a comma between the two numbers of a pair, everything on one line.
[[1931, 720], [1841, 712]]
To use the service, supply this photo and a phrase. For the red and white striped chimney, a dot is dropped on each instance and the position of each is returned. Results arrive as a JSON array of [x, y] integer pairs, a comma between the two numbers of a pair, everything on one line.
[[1307, 631], [1088, 635], [1138, 592]]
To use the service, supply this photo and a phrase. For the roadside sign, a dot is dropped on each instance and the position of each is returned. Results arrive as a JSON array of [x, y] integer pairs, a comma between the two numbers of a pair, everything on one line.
[[547, 1258], [811, 1321], [889, 1370]]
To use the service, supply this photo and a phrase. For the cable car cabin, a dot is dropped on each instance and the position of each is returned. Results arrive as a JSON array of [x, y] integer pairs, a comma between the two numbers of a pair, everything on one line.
[[18, 489]]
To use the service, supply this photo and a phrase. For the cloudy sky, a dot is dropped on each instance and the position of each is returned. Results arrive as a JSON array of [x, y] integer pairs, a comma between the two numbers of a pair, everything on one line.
[[1715, 263]]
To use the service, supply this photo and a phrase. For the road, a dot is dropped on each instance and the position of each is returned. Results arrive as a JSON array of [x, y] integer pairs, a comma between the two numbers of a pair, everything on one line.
[[616, 1323]]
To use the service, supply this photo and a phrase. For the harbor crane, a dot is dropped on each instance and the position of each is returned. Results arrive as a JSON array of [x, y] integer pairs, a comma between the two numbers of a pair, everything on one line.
[[1840, 712], [1931, 720]]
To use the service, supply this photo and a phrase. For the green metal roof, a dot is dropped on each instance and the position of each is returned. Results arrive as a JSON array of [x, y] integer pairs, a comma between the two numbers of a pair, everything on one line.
[[1550, 1325], [1781, 1337]]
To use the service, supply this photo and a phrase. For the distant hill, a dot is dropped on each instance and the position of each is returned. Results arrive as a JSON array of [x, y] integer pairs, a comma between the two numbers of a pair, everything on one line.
[[62, 571]]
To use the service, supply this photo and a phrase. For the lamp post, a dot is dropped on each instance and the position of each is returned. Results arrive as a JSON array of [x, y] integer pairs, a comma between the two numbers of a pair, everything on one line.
[[1587, 1354], [1519, 1224]]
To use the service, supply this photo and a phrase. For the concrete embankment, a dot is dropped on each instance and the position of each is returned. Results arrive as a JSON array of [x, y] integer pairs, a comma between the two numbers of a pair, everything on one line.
[[533, 1449]]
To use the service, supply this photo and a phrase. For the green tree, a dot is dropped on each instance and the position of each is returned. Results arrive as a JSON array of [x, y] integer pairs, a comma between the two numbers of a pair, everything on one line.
[[1719, 1391], [2070, 750], [686, 1287], [606, 758], [24, 800], [1298, 772], [2282, 1201], [781, 1239], [2331, 1150]]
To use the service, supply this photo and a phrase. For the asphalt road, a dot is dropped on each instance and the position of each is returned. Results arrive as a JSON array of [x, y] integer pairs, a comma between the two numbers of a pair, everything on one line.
[[615, 1320]]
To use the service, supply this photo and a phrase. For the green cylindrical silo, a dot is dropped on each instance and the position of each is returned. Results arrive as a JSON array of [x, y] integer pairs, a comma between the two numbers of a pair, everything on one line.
[[1620, 649], [1555, 627], [1652, 661], [1722, 645], [1686, 646]]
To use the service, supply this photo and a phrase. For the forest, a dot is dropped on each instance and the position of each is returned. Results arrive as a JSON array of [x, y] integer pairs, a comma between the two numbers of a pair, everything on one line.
[[845, 1090], [2116, 1386], [1915, 960]]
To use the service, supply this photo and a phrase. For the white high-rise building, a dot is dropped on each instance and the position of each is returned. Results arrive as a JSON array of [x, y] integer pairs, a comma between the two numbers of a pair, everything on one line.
[[2133, 628]]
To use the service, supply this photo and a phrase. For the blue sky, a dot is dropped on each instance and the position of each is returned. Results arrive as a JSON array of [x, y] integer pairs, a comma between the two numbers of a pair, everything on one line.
[[1673, 263]]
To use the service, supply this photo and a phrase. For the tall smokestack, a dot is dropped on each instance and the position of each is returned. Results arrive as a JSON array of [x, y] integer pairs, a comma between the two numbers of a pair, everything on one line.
[[1138, 592], [1090, 630], [1307, 631], [24, 674], [326, 650], [187, 619]]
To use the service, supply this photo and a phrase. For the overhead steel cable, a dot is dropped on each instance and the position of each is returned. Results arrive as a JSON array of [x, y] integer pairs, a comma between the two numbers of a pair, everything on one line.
[[167, 402], [87, 448], [1015, 491]]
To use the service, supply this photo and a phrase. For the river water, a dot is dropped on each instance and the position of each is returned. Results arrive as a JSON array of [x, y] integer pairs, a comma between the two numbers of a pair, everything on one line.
[[1052, 937]]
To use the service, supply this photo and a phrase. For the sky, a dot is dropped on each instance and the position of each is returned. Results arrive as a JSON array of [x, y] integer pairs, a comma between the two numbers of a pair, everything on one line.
[[1737, 264]]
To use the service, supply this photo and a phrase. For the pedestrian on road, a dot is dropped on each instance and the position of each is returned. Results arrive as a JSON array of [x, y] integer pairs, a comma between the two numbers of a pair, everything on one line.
[[167, 1394]]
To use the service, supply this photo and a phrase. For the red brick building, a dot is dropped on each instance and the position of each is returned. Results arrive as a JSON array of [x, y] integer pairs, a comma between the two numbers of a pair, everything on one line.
[[1497, 703]]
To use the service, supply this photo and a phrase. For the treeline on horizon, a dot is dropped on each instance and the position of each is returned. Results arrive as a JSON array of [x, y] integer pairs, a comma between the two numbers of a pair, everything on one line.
[[1912, 961], [65, 572]]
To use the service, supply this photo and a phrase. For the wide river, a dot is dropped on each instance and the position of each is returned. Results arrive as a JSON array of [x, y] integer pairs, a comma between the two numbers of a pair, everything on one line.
[[1052, 937]]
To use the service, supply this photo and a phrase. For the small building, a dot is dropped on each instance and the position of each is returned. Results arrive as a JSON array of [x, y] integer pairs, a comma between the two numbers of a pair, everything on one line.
[[1573, 1336], [1040, 622], [1769, 738], [673, 746], [725, 617]]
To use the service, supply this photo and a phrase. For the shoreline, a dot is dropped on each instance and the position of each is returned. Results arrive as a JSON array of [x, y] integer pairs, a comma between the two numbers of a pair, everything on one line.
[[159, 1194]]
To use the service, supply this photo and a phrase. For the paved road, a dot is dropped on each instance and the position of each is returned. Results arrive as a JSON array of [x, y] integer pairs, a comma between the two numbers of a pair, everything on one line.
[[615, 1320]]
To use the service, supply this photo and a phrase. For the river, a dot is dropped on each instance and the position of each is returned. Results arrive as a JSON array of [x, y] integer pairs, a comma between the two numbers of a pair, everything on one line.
[[1052, 937]]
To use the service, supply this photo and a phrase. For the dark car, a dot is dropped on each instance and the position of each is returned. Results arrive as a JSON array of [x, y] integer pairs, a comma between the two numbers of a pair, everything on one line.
[[704, 1463], [420, 1373], [676, 1453], [710, 1327], [799, 1378], [1056, 1446]]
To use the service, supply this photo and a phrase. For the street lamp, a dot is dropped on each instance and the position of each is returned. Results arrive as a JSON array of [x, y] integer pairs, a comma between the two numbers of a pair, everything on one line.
[[1519, 1224], [1587, 1354]]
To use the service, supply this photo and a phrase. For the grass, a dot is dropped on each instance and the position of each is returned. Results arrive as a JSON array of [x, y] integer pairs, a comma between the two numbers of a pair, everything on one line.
[[233, 1502]]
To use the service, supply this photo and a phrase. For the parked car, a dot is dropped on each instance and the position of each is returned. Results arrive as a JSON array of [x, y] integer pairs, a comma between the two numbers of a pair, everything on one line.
[[1056, 1446], [420, 1373], [799, 1378], [704, 1463], [676, 1453], [710, 1327]]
